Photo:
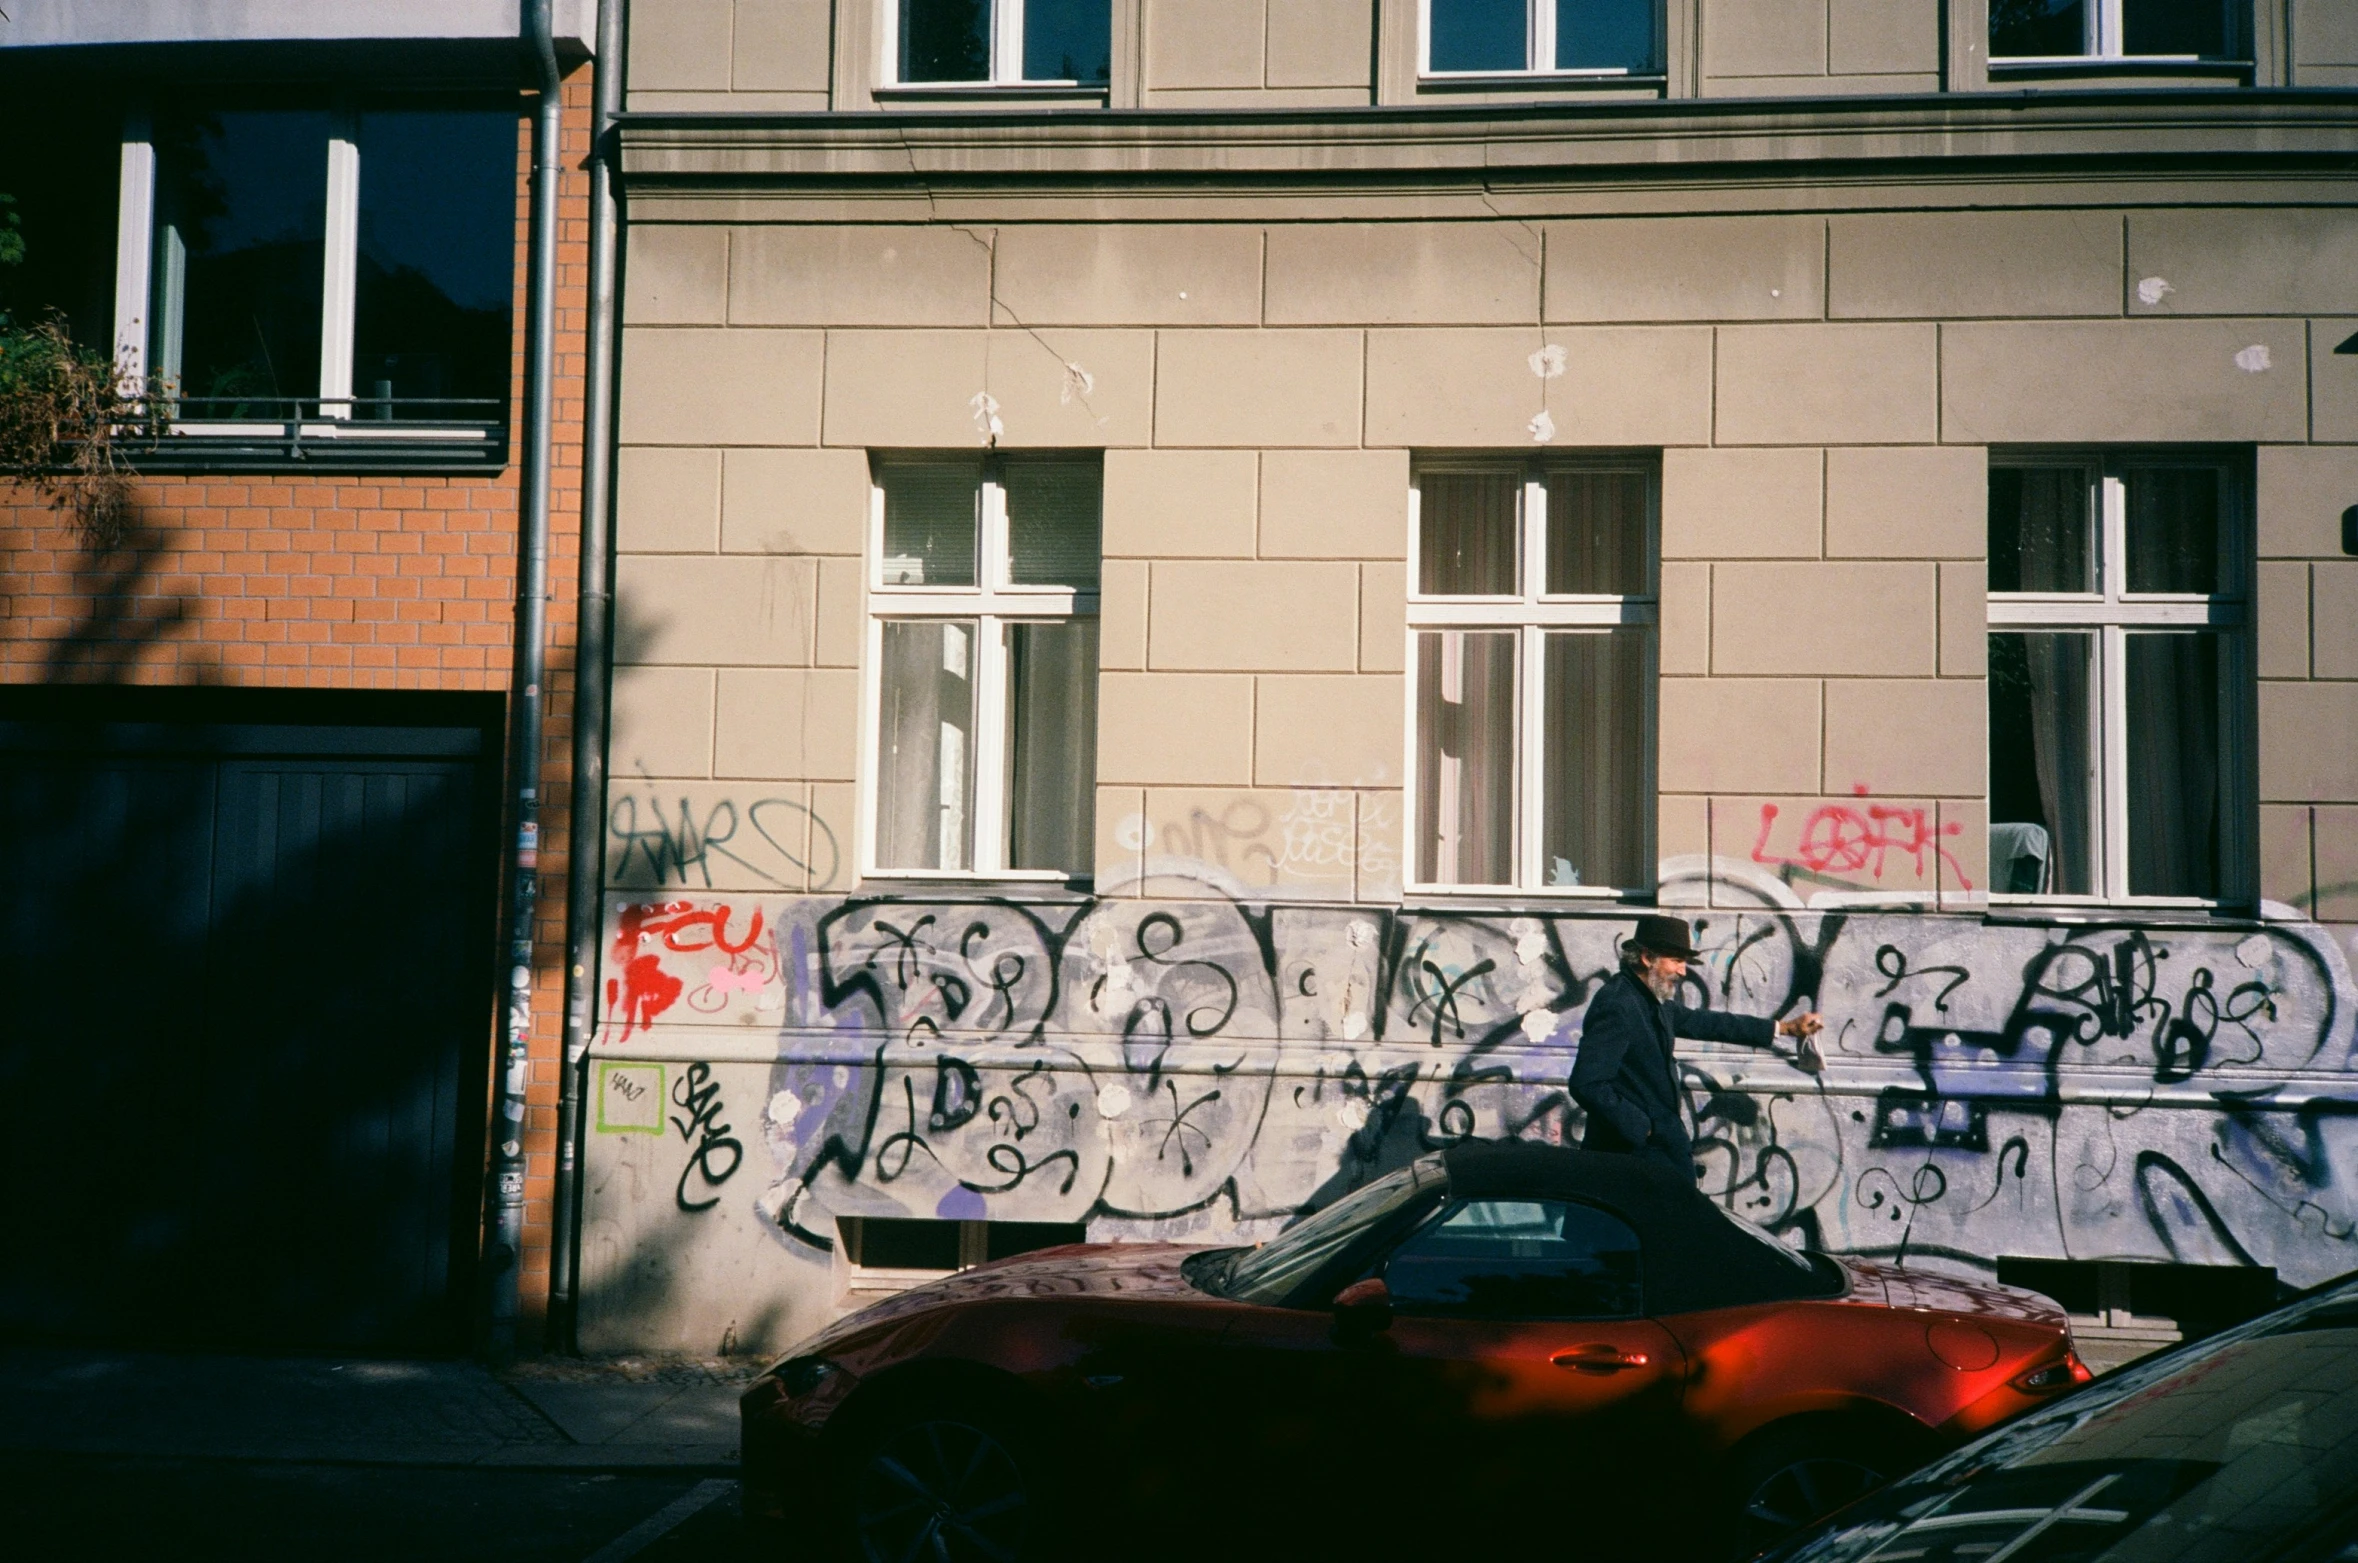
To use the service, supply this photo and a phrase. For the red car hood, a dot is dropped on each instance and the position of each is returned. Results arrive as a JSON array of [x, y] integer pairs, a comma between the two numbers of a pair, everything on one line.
[[1921, 1289], [1079, 1270]]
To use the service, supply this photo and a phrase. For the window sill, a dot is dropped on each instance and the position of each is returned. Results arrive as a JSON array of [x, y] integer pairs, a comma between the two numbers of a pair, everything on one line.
[[2173, 69], [1554, 901], [934, 884], [1539, 81], [2187, 914], [1051, 92]]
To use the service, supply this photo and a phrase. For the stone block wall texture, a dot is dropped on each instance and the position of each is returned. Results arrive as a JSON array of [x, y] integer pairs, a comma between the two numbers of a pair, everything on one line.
[[296, 581], [1822, 393], [1823, 489]]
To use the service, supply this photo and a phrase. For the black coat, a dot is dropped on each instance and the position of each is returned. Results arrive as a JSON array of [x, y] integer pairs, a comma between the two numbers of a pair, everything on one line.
[[1626, 1077]]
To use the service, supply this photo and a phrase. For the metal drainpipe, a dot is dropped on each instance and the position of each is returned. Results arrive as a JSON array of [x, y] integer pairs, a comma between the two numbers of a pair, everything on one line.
[[586, 863], [503, 1246]]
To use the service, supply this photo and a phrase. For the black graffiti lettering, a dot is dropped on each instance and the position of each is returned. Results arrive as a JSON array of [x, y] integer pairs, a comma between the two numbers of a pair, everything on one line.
[[698, 1094]]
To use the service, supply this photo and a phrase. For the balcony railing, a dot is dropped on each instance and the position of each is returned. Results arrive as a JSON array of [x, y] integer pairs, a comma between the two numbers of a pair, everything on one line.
[[350, 434]]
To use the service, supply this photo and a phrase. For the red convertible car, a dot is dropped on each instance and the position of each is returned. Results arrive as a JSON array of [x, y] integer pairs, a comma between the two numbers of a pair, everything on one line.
[[1503, 1345]]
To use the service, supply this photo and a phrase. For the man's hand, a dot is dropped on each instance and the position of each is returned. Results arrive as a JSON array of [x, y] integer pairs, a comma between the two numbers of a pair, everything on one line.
[[1804, 1029]]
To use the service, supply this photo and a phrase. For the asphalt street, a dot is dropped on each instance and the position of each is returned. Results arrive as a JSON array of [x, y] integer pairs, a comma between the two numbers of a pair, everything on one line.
[[102, 1507]]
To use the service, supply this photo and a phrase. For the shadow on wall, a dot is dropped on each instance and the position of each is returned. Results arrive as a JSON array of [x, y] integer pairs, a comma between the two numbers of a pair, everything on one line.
[[249, 978]]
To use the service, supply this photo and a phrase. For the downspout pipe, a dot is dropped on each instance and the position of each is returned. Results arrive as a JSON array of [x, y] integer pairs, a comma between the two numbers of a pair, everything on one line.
[[592, 681], [503, 1238]]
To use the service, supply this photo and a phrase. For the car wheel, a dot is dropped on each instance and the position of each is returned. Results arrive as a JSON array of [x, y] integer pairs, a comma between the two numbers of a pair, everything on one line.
[[1792, 1478], [945, 1486]]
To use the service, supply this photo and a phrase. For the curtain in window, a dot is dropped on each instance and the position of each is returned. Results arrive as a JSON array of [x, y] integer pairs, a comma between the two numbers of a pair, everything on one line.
[[930, 522], [1052, 749], [2173, 735], [1596, 534], [2042, 761], [1593, 824], [2042, 537], [1053, 524], [925, 746], [1466, 533], [1465, 741], [2173, 529]]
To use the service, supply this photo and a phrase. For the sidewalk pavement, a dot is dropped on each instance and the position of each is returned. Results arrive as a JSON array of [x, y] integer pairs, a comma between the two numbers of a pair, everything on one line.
[[635, 1413]]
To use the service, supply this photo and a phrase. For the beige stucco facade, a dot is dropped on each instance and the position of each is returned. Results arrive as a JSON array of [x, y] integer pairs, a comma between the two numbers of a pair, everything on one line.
[[1812, 319]]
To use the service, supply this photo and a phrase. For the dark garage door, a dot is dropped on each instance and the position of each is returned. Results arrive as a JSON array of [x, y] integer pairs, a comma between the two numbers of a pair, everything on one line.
[[244, 1031]]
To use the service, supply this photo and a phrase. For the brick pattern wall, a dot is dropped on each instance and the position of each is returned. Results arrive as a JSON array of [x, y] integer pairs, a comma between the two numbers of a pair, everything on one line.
[[302, 582]]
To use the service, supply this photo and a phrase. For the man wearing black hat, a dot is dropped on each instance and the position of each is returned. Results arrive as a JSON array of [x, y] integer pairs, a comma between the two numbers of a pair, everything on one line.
[[1626, 1075]]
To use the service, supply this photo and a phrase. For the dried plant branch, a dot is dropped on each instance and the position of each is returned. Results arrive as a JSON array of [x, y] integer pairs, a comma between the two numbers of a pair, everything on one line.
[[63, 409]]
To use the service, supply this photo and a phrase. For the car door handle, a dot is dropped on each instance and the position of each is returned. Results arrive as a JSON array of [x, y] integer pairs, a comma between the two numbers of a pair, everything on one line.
[[1598, 1358]]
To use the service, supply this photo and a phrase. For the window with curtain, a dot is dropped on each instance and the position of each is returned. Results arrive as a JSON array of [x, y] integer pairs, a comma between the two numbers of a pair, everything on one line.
[[2120, 29], [983, 646], [1549, 37], [1004, 42], [1531, 665], [2120, 684]]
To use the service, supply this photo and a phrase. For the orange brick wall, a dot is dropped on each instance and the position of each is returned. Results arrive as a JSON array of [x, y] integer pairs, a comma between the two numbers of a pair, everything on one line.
[[300, 582]]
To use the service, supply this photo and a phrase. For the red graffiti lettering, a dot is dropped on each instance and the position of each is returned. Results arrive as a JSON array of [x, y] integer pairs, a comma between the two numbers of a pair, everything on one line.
[[647, 991], [1839, 838]]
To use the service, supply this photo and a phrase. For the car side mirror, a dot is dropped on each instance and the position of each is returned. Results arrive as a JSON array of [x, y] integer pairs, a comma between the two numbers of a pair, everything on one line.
[[1363, 1308]]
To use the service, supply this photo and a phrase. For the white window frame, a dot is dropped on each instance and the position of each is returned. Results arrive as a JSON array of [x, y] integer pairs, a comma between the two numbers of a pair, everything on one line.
[[2110, 613], [1006, 55], [994, 602], [1539, 44], [1533, 612], [2104, 31], [135, 276]]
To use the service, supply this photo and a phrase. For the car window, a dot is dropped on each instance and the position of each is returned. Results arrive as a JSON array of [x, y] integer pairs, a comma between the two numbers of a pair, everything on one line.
[[1278, 1268], [2234, 1452], [1518, 1259]]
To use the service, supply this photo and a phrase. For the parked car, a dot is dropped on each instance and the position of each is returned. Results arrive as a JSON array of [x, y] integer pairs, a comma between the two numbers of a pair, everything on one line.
[[1501, 1341], [2240, 1448]]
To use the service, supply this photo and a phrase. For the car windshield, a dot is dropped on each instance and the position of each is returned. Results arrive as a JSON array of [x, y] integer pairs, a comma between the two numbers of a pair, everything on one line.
[[1274, 1271], [2241, 1449]]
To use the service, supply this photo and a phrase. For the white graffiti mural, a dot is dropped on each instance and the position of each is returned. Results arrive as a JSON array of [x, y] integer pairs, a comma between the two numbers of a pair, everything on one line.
[[1211, 1067]]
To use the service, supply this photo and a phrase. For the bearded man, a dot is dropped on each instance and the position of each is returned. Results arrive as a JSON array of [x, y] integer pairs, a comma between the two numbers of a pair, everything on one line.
[[1626, 1074]]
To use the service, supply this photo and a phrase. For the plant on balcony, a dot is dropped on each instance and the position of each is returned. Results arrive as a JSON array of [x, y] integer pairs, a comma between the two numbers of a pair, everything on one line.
[[62, 409]]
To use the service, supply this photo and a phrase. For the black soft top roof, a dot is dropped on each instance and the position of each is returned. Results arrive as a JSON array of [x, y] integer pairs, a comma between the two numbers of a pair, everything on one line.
[[1695, 1256]]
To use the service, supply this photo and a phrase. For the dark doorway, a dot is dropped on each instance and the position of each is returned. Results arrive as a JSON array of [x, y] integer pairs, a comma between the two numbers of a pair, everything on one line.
[[247, 940]]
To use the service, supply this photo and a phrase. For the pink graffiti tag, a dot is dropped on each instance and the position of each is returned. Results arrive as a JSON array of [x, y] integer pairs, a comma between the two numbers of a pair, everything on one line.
[[645, 990], [1839, 838]]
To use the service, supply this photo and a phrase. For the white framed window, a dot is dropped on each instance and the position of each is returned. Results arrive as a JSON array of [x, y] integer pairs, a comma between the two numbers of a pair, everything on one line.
[[980, 700], [2174, 31], [1531, 669], [2120, 679], [1472, 38], [343, 272], [1006, 43]]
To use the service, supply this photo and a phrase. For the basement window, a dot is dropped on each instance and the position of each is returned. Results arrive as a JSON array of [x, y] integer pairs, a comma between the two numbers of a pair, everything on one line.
[[887, 1254], [2121, 1309]]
